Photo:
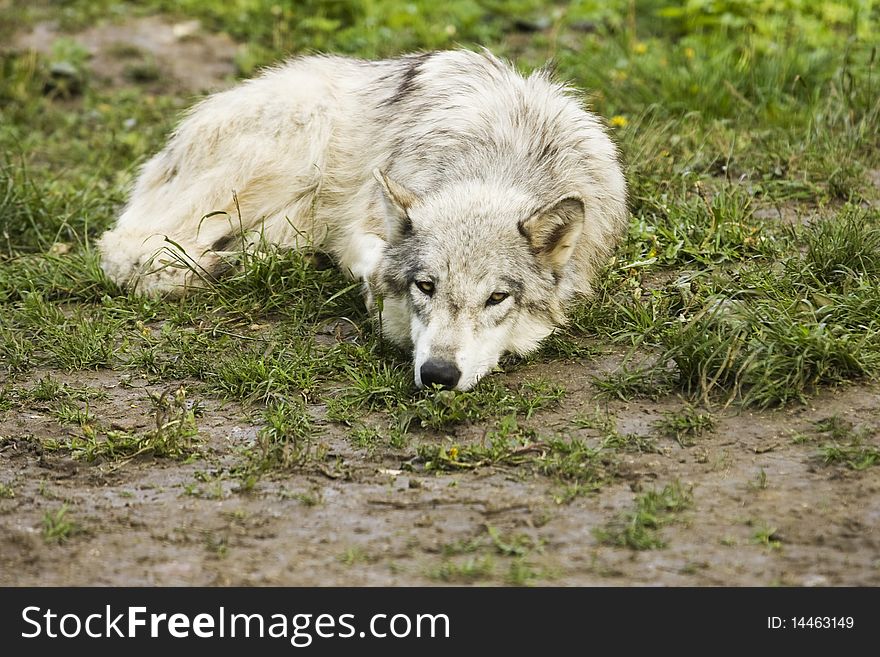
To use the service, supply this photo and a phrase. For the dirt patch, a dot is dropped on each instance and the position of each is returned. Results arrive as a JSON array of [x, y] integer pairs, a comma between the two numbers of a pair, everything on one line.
[[766, 509], [171, 56]]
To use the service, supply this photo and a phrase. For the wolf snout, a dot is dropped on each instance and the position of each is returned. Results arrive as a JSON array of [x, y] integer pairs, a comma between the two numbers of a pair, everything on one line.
[[440, 372]]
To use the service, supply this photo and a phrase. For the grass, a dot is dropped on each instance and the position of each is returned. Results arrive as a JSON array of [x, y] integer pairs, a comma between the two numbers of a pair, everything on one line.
[[845, 445], [768, 537], [728, 304], [771, 331], [685, 424], [58, 528], [173, 436], [464, 571], [611, 438], [287, 438], [639, 529]]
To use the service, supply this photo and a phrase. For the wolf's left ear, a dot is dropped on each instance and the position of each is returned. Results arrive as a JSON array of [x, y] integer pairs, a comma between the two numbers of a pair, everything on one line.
[[554, 230], [398, 200]]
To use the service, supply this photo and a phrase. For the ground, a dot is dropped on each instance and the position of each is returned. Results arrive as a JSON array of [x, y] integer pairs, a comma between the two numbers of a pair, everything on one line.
[[764, 509], [709, 418]]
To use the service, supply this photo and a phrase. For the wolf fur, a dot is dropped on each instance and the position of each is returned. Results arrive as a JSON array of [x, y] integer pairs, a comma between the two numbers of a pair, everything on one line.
[[477, 203]]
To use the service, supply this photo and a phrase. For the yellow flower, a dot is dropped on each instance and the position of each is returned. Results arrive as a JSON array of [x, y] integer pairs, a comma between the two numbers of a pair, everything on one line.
[[689, 53], [640, 48], [619, 121], [453, 453]]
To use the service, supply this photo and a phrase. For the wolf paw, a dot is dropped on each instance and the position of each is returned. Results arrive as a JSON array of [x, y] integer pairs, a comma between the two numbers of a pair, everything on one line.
[[156, 266]]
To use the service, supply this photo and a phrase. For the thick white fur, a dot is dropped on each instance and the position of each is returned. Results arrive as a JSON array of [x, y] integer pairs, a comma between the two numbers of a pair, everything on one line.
[[290, 157]]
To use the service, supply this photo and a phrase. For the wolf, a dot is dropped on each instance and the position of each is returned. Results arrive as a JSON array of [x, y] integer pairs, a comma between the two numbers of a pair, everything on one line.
[[473, 202]]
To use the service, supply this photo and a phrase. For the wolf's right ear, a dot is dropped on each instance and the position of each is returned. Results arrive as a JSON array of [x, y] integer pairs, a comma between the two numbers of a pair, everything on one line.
[[554, 230], [398, 200]]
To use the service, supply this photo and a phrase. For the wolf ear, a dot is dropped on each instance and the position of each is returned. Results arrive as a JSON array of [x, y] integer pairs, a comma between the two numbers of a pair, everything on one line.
[[398, 200], [553, 230]]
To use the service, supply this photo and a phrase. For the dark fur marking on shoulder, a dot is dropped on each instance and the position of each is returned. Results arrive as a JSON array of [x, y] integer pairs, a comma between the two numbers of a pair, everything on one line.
[[222, 244], [406, 225], [408, 79]]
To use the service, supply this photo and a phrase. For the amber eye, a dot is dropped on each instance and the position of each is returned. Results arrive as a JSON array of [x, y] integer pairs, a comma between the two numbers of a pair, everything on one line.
[[426, 286], [496, 297]]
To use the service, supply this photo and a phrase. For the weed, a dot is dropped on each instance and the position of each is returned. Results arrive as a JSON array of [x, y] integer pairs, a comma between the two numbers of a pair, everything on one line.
[[760, 481], [848, 445], [685, 424], [57, 527], [465, 571], [172, 437], [286, 440], [518, 545], [442, 409], [638, 529], [768, 537], [354, 555]]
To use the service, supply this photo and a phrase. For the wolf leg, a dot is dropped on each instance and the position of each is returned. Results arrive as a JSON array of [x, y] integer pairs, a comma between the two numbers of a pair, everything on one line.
[[360, 258]]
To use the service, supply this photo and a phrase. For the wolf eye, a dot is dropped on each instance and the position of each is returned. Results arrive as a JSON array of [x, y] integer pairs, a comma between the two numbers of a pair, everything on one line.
[[496, 297], [426, 286]]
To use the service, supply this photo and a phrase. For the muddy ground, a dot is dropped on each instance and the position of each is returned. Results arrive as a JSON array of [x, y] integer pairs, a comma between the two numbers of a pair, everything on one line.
[[766, 508], [379, 518]]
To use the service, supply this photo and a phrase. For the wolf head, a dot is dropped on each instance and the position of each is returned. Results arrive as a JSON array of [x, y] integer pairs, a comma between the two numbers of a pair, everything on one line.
[[471, 272]]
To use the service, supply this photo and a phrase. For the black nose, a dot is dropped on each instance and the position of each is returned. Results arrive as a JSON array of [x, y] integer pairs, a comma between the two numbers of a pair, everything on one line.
[[441, 372]]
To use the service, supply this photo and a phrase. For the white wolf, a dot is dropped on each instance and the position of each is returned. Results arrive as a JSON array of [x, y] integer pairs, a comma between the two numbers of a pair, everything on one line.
[[475, 202]]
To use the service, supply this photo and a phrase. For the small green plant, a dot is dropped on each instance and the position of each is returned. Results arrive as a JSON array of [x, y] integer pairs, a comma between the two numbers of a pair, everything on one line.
[[470, 569], [768, 537], [172, 437], [639, 529], [521, 573], [685, 424], [57, 526], [514, 545], [309, 498], [760, 481], [285, 441], [442, 409], [855, 456], [47, 389], [848, 446], [354, 555], [461, 546], [611, 438], [67, 413]]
